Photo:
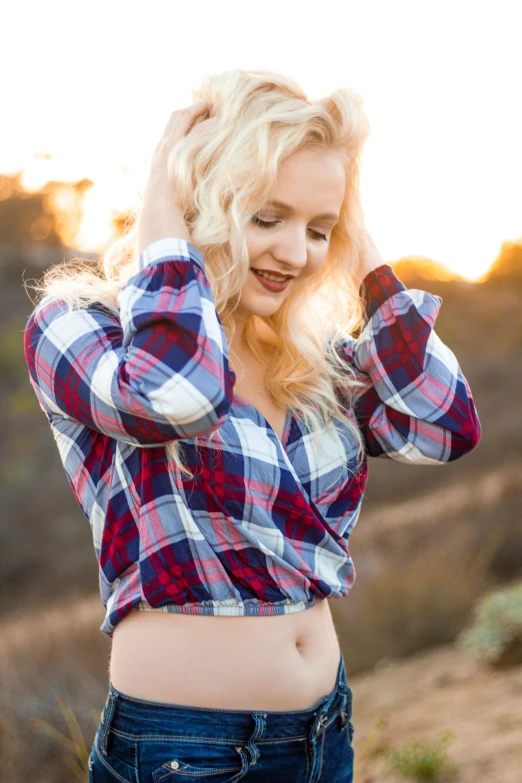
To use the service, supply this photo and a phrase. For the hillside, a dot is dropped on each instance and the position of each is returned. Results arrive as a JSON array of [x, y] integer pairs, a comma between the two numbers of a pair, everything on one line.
[[61, 654], [429, 541], [443, 690]]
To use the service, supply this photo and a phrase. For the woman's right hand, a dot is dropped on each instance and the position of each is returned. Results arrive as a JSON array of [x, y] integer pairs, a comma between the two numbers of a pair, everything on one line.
[[160, 215]]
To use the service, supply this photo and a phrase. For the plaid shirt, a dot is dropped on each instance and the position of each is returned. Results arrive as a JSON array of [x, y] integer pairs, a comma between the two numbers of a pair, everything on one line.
[[263, 527]]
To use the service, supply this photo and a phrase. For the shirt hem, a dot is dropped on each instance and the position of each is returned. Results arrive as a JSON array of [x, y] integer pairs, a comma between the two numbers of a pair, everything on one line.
[[217, 608], [231, 609]]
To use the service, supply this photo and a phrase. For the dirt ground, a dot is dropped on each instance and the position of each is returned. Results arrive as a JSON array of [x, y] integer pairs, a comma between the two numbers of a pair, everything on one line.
[[441, 690]]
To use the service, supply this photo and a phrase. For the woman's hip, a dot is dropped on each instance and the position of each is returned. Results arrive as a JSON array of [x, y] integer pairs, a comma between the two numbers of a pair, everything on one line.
[[143, 741]]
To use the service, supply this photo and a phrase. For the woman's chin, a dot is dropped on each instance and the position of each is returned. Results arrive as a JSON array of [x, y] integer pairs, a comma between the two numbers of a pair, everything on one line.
[[259, 304]]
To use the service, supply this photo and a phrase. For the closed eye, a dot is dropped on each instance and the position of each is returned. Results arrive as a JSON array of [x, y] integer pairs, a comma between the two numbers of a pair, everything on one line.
[[266, 224]]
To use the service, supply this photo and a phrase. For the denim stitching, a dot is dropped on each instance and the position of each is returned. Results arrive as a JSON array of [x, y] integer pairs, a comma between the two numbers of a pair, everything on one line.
[[343, 713], [166, 705], [241, 773], [207, 771], [106, 722], [322, 755], [227, 741], [111, 770], [332, 719], [275, 740], [308, 754], [136, 737], [314, 735], [342, 688], [260, 719]]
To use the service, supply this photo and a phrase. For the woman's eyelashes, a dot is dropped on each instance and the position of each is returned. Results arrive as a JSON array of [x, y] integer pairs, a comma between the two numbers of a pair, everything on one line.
[[266, 224]]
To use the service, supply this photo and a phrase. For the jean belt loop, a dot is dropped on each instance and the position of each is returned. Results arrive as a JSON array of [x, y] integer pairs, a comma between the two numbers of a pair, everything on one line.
[[344, 711], [341, 680], [259, 730], [108, 714]]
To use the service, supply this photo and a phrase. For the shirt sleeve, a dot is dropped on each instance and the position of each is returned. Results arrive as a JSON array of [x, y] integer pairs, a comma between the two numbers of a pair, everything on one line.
[[415, 405], [155, 371]]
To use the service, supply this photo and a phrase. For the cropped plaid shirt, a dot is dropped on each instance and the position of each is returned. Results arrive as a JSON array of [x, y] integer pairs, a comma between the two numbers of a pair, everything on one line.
[[263, 526]]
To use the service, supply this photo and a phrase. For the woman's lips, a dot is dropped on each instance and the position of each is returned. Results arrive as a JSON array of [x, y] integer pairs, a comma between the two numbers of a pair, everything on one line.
[[271, 285]]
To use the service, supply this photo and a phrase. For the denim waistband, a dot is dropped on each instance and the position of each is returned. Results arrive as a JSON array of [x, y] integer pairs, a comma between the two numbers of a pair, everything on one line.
[[142, 718]]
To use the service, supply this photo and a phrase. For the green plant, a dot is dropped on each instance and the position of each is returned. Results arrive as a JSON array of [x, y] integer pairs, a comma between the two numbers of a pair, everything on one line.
[[423, 761], [496, 635]]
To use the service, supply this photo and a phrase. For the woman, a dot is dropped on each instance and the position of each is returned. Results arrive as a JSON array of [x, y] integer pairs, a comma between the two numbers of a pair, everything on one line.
[[214, 422]]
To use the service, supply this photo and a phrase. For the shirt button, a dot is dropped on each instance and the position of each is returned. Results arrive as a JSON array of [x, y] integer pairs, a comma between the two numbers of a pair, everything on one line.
[[174, 764]]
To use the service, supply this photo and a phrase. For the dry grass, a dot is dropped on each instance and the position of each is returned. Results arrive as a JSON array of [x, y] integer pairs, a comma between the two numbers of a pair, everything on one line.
[[483, 491], [441, 690], [423, 564], [52, 674], [415, 604]]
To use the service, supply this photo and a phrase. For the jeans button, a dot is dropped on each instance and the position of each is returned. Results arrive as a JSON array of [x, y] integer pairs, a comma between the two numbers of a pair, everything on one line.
[[174, 764]]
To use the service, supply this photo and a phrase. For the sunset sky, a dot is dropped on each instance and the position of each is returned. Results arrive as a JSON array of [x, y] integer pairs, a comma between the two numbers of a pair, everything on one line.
[[91, 86]]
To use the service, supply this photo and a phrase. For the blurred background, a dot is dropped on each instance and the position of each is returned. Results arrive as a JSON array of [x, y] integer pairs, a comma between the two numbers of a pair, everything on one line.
[[90, 89]]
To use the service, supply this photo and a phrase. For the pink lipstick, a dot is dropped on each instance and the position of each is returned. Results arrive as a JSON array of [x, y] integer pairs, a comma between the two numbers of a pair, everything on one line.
[[271, 285]]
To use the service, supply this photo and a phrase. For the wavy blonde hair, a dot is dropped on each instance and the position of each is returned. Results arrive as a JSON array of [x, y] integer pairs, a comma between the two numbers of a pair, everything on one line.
[[223, 176]]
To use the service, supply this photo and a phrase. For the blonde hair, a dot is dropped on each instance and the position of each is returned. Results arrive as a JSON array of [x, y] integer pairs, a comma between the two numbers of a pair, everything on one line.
[[223, 176]]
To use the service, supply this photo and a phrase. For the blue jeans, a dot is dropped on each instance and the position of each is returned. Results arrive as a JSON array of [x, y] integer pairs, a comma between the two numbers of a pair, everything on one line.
[[141, 741]]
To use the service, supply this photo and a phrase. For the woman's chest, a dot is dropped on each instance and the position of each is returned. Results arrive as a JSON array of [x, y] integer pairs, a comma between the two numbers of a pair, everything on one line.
[[263, 475], [252, 390]]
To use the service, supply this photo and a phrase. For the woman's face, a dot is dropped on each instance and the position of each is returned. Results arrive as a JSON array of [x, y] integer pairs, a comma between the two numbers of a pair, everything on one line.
[[290, 235]]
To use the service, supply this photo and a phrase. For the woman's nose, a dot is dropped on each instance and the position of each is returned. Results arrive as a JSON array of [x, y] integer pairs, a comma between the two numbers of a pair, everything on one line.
[[292, 250]]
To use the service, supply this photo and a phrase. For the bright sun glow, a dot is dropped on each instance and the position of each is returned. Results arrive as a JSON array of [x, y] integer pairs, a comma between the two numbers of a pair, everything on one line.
[[442, 167]]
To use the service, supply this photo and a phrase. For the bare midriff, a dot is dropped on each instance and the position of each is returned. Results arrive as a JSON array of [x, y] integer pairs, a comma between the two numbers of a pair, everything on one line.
[[278, 662], [268, 662]]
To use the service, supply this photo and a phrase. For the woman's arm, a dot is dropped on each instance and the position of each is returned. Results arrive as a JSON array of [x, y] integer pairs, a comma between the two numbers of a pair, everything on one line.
[[416, 405], [159, 371], [157, 374]]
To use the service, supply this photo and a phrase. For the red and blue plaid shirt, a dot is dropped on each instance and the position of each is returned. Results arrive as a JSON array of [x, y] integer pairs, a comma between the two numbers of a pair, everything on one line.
[[262, 528]]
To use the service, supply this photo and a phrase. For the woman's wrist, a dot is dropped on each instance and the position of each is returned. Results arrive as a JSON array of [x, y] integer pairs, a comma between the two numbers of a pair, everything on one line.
[[367, 268], [152, 233], [370, 258]]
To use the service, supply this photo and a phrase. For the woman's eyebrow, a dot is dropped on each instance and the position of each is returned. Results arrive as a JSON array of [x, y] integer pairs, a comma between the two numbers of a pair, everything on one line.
[[288, 208]]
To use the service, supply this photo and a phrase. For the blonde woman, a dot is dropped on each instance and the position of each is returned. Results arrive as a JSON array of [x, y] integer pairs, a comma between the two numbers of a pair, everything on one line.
[[214, 413]]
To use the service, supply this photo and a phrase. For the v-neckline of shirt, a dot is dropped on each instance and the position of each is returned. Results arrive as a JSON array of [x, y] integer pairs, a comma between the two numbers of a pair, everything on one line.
[[286, 428]]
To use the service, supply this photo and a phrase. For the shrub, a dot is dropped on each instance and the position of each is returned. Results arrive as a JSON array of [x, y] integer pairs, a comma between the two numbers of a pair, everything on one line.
[[423, 761], [496, 635]]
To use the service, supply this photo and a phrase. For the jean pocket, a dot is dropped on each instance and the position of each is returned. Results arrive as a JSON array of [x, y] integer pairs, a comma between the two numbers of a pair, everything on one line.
[[193, 758], [120, 758]]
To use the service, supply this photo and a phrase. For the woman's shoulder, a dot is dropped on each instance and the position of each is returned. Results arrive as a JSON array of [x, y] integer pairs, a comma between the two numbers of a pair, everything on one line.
[[51, 307]]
